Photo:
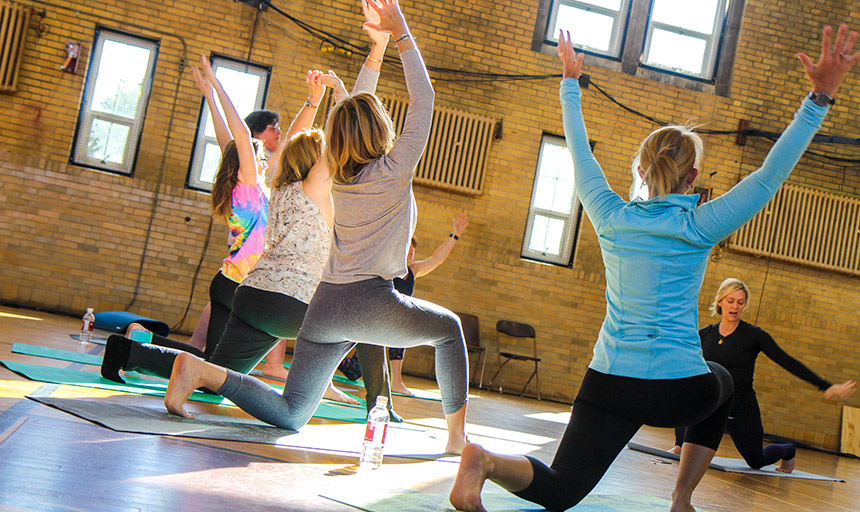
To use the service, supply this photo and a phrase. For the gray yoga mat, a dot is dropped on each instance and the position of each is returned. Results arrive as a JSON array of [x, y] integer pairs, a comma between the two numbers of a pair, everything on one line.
[[730, 465], [373, 500], [150, 417]]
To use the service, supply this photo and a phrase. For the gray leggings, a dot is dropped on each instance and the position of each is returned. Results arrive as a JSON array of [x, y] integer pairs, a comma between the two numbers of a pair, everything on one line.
[[369, 311]]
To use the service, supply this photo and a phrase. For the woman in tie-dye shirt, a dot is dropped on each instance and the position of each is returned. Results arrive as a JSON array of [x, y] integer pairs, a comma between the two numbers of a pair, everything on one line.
[[240, 197]]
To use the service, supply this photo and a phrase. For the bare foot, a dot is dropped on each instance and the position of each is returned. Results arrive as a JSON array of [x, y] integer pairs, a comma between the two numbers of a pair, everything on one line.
[[185, 378], [275, 371], [474, 470], [456, 443], [401, 388], [680, 504], [333, 393], [676, 450], [786, 466]]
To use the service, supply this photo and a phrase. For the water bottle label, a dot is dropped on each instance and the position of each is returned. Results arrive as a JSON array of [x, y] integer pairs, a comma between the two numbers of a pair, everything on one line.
[[374, 434]]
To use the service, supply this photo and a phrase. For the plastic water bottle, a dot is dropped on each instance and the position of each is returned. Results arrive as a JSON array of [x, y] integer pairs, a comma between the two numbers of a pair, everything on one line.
[[87, 324], [374, 435]]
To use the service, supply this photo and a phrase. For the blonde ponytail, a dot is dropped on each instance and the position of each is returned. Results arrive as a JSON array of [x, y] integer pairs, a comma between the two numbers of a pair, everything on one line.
[[666, 158]]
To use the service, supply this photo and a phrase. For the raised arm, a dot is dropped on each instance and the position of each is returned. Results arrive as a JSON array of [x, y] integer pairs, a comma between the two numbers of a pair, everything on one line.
[[222, 133], [241, 133], [593, 189], [305, 118], [413, 137], [368, 76], [719, 218], [425, 266]]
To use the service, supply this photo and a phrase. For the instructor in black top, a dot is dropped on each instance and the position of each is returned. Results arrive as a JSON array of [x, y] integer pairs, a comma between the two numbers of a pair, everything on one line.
[[735, 345]]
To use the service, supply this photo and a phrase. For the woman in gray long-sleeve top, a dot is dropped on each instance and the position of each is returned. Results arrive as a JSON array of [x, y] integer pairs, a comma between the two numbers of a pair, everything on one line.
[[375, 217]]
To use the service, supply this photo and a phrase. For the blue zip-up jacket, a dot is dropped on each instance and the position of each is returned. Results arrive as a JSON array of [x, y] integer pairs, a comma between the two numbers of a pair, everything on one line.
[[655, 251]]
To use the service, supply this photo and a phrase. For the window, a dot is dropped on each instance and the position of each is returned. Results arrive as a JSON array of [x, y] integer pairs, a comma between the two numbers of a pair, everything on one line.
[[683, 42], [683, 36], [596, 26], [554, 211], [246, 84], [114, 104]]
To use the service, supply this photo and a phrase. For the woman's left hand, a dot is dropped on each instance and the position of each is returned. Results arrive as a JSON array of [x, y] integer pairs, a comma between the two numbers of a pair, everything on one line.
[[834, 62], [372, 17], [316, 87], [840, 391], [391, 19]]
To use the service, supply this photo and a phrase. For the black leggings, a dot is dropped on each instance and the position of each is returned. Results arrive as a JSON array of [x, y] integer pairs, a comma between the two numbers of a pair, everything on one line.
[[221, 292], [747, 434], [608, 411], [258, 320]]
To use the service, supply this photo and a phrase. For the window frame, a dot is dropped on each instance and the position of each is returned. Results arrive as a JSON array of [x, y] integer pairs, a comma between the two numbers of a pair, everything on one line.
[[573, 220], [201, 140], [87, 116], [716, 38], [619, 32], [639, 14]]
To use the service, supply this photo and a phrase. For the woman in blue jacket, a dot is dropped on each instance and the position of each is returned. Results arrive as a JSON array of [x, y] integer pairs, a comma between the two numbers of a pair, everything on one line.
[[655, 252]]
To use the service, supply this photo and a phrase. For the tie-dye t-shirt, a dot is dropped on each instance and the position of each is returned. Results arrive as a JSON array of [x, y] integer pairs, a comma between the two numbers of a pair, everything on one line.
[[247, 226]]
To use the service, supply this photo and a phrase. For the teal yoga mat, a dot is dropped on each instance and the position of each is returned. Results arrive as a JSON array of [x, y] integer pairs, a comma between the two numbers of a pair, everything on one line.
[[417, 393], [60, 355], [157, 387]]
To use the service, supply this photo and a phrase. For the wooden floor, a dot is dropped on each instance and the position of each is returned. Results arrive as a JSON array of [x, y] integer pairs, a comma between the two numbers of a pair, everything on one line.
[[50, 460]]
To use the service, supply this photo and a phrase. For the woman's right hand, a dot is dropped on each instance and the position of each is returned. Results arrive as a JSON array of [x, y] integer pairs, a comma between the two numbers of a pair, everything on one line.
[[332, 80], [833, 63], [571, 60]]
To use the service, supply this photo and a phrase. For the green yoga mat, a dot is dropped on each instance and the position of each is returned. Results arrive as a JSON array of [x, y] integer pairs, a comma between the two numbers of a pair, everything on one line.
[[155, 387], [417, 393], [53, 353], [417, 501], [96, 360]]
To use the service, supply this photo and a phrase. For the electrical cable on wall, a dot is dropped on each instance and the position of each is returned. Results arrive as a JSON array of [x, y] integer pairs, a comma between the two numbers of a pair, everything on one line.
[[350, 48]]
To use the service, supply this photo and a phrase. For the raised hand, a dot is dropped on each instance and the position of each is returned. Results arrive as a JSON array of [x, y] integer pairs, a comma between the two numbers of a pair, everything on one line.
[[316, 86], [202, 84], [571, 61], [460, 224], [372, 17], [391, 19], [333, 81], [834, 62], [206, 66], [840, 391]]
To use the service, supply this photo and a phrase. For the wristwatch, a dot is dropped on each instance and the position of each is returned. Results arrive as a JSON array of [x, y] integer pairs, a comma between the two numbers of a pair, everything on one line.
[[822, 99]]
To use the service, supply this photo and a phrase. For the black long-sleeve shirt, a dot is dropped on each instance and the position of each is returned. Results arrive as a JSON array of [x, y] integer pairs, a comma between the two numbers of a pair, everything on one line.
[[738, 352]]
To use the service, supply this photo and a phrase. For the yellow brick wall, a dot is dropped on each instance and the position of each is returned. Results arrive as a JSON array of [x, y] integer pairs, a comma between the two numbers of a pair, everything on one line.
[[75, 237]]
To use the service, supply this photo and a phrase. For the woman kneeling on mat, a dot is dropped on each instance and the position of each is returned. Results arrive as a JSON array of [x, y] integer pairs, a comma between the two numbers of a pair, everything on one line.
[[655, 252], [375, 216], [735, 345]]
